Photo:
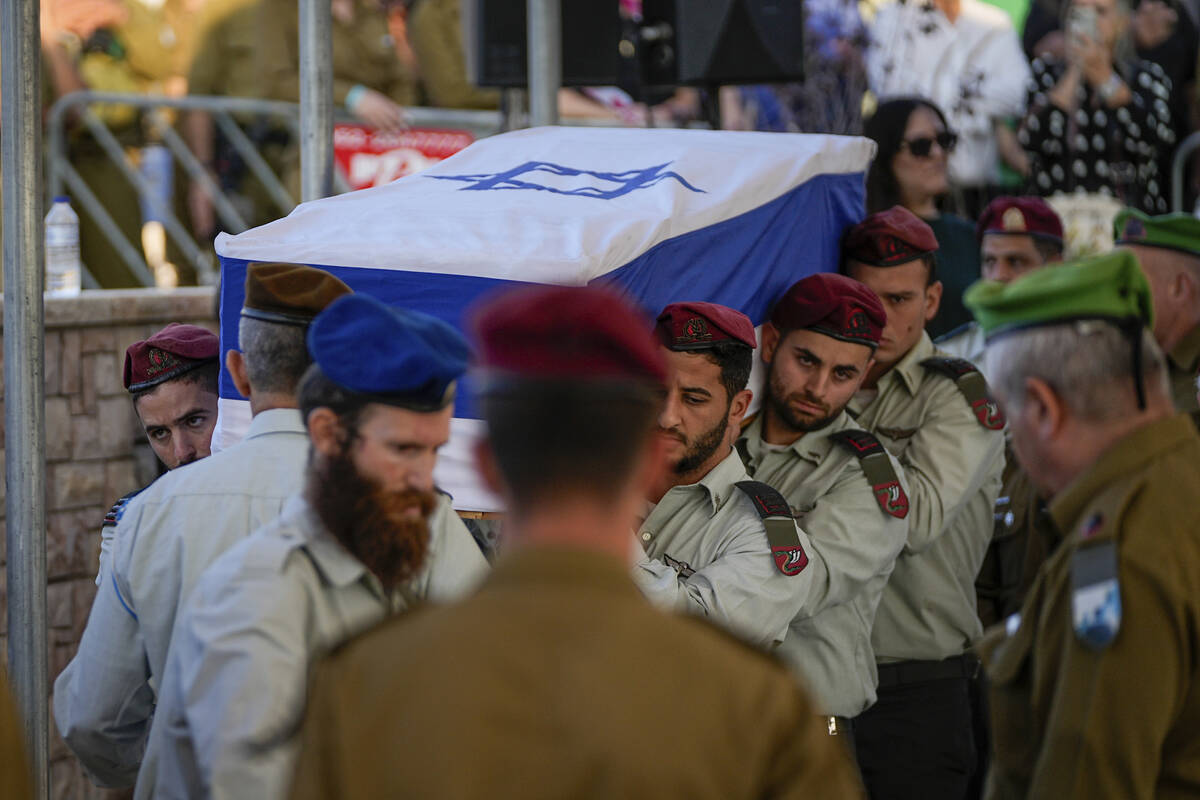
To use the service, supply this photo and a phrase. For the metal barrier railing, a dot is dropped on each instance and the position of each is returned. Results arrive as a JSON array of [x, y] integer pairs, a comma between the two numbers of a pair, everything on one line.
[[1188, 146], [78, 105]]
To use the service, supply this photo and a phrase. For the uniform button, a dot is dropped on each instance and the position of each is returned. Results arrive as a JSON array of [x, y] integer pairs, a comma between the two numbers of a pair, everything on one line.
[[645, 536]]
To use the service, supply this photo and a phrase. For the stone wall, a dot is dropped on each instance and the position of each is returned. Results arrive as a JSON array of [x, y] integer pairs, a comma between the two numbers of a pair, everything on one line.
[[95, 452]]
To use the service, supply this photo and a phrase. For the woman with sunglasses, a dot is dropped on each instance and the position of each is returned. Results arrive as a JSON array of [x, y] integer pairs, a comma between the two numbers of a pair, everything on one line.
[[911, 170]]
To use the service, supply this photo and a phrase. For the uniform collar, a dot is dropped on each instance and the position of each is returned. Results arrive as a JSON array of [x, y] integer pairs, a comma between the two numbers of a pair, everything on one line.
[[908, 372], [1186, 355], [813, 446], [276, 420], [718, 483], [522, 566], [1124, 458], [334, 562]]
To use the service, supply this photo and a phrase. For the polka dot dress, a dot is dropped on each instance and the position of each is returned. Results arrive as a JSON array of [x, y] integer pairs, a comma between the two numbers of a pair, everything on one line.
[[1095, 148]]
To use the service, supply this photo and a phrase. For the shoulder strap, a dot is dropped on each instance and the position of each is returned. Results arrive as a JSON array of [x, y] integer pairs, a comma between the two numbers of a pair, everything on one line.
[[877, 468], [974, 388], [777, 518], [118, 508]]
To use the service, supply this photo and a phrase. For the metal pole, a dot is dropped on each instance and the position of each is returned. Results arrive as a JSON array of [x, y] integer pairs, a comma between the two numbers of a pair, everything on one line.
[[316, 99], [24, 356], [1182, 153], [545, 60]]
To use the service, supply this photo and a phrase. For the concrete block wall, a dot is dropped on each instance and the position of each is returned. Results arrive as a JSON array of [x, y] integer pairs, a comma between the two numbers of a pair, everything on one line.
[[95, 452]]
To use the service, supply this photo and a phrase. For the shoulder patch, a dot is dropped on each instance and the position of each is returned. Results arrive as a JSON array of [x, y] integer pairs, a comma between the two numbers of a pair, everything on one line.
[[776, 514], [118, 509], [974, 388], [878, 470], [1095, 592]]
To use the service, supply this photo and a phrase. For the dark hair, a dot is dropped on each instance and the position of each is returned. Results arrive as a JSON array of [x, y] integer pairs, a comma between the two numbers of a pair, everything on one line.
[[552, 436], [316, 390], [886, 127], [735, 361], [206, 375], [930, 262], [1048, 249]]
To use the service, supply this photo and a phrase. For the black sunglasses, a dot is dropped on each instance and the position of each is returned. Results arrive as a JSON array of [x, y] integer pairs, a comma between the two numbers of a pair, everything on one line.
[[922, 146]]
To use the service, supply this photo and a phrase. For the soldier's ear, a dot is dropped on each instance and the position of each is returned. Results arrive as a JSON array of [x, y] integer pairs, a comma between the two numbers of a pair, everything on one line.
[[770, 342], [933, 299], [485, 462], [235, 362], [325, 431], [1043, 408]]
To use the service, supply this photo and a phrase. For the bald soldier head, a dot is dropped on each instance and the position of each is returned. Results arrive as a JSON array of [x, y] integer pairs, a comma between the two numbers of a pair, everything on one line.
[[1072, 362]]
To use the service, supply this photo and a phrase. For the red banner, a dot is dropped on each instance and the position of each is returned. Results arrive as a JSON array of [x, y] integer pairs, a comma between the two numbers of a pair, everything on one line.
[[366, 157]]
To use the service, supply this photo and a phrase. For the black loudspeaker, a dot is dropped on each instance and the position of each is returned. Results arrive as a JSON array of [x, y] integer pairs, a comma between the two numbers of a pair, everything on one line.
[[494, 33], [712, 42]]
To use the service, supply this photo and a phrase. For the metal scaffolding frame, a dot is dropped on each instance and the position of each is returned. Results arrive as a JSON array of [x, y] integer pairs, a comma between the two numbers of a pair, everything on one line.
[[24, 311]]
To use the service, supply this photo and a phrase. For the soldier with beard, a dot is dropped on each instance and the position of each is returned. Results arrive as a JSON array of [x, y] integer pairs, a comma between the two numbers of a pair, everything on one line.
[[843, 487], [717, 544], [368, 537], [558, 679]]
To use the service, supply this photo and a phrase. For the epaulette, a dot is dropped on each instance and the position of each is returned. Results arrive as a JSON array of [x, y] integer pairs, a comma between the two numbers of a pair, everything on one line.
[[777, 519], [877, 468], [970, 382], [118, 509], [956, 331]]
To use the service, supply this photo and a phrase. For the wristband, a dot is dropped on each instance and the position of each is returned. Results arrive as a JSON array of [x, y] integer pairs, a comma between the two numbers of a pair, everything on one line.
[[354, 95]]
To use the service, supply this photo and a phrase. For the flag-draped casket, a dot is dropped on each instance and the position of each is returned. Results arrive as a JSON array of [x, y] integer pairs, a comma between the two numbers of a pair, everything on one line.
[[666, 215]]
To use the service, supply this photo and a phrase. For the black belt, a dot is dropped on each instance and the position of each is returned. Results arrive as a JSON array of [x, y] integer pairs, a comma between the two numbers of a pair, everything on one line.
[[901, 673]]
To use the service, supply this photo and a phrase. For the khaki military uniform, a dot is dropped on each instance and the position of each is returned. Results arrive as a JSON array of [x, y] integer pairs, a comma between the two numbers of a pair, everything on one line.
[[1183, 363], [237, 671], [558, 680], [966, 341], [707, 553], [435, 32], [363, 53], [952, 469], [850, 527], [1118, 720]]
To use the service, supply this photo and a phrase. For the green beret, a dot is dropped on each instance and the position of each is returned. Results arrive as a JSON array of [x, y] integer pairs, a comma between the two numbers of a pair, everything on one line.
[[1109, 287], [1173, 231], [291, 294]]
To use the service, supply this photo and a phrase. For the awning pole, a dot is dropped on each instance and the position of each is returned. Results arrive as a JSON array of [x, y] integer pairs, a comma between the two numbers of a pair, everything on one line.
[[545, 60], [316, 100]]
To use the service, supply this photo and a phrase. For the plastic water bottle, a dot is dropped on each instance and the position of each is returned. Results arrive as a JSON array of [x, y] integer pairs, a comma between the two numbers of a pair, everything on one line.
[[63, 275]]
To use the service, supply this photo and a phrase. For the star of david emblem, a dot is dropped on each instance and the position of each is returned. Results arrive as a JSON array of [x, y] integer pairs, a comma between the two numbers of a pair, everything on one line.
[[544, 176]]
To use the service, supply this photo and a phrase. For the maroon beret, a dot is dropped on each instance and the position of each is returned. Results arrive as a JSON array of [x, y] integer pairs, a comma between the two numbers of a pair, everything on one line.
[[567, 332], [1031, 216], [889, 238], [171, 352], [834, 305], [698, 326]]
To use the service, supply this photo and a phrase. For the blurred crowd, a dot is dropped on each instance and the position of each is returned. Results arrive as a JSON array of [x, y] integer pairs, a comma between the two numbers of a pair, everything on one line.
[[1083, 102]]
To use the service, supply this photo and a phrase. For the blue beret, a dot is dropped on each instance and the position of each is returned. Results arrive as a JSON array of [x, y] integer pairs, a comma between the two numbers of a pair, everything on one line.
[[391, 355]]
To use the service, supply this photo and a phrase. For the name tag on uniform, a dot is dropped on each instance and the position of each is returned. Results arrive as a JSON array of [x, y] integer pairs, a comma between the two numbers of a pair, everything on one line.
[[1095, 594]]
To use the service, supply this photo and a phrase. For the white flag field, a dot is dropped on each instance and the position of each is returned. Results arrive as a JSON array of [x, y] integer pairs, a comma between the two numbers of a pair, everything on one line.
[[664, 215]]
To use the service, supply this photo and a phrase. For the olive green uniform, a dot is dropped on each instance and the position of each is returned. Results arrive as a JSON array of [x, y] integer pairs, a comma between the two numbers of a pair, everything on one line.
[[952, 468], [435, 32], [1183, 363], [707, 553], [363, 54], [557, 679], [1070, 721], [836, 504]]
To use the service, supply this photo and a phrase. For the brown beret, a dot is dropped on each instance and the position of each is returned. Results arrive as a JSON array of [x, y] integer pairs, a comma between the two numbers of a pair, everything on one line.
[[834, 305], [291, 294], [1031, 216], [889, 238], [173, 351], [698, 326], [567, 332]]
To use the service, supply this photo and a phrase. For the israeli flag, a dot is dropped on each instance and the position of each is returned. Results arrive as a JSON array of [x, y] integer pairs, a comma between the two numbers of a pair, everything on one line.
[[666, 215]]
